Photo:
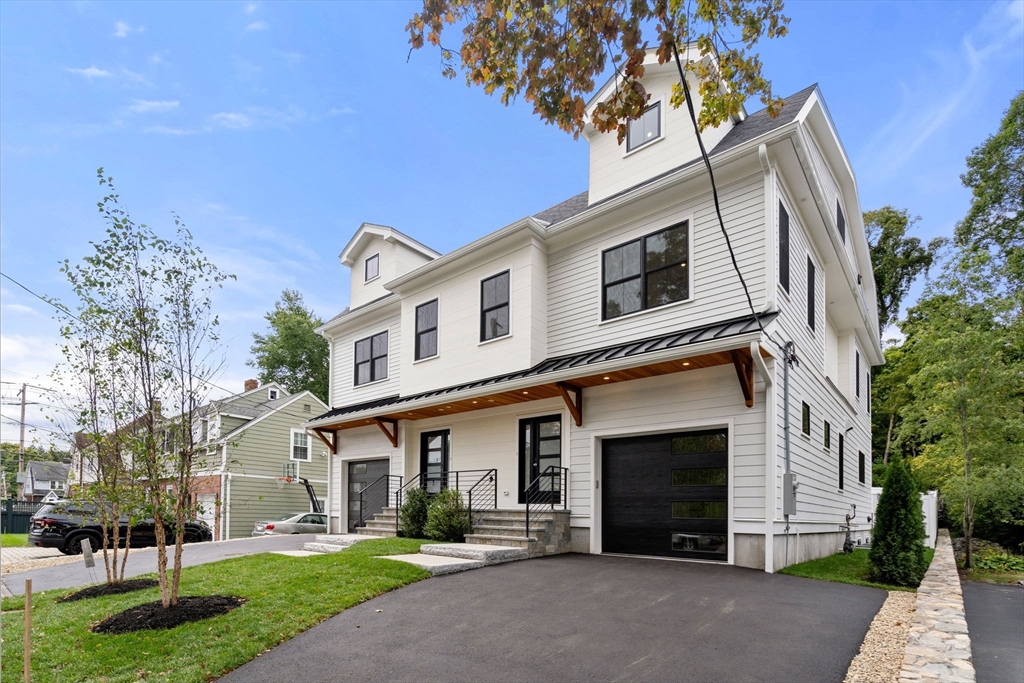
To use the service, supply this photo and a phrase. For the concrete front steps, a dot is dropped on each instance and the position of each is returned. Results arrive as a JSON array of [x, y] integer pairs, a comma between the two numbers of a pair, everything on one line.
[[383, 525], [449, 558], [332, 543]]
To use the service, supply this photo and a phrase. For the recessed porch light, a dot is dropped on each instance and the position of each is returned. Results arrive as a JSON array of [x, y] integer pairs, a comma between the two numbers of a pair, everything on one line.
[[606, 377], [526, 392], [474, 401], [686, 362]]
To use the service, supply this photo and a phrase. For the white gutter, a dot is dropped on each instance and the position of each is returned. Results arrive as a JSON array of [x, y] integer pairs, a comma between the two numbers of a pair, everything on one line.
[[378, 305], [688, 351]]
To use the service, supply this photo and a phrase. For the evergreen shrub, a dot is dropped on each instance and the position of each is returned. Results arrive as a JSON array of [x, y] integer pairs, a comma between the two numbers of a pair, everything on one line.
[[413, 514], [897, 551], [447, 517]]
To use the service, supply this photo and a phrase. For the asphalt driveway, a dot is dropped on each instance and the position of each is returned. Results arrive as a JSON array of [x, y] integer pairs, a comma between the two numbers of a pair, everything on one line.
[[143, 561], [995, 622], [587, 618]]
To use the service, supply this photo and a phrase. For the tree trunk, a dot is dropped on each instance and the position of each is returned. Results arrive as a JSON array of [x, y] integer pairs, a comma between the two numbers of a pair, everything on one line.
[[161, 558], [888, 439]]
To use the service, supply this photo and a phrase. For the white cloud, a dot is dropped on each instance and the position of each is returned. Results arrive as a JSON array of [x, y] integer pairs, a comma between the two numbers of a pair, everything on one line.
[[250, 8], [167, 130], [226, 119], [121, 29], [340, 111], [19, 308], [134, 77], [92, 72], [152, 106], [155, 58], [257, 26]]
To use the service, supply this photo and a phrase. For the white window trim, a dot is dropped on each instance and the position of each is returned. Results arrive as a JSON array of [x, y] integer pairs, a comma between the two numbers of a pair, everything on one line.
[[480, 304], [661, 115], [273, 398], [640, 234], [370, 336], [415, 334], [365, 260], [291, 445]]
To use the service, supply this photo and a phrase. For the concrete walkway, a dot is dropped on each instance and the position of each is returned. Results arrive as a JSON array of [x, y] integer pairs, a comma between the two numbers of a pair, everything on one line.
[[586, 618], [11, 555], [995, 618], [143, 561]]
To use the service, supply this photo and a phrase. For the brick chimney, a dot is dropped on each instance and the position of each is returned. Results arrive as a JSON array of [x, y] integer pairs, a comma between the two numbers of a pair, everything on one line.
[[251, 384]]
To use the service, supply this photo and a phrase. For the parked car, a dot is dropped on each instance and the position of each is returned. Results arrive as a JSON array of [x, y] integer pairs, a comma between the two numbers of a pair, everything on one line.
[[65, 524], [294, 523]]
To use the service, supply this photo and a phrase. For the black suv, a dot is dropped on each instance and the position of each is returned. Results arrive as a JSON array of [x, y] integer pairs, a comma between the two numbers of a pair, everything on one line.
[[65, 524]]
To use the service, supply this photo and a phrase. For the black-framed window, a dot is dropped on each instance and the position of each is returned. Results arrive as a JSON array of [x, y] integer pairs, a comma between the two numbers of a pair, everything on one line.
[[856, 370], [372, 267], [867, 377], [842, 457], [494, 312], [810, 293], [841, 221], [828, 434], [426, 330], [647, 272], [371, 359], [783, 247], [861, 474], [645, 129], [805, 421]]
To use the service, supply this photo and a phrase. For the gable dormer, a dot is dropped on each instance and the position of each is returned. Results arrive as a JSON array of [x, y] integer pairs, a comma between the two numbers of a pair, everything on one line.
[[662, 140], [377, 254]]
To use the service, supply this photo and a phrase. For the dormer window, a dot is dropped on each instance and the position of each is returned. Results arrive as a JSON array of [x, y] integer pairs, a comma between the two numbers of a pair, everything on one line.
[[272, 394], [645, 129], [372, 267]]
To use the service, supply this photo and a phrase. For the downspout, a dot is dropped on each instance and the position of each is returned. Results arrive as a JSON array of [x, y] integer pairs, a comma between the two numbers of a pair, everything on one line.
[[788, 358], [227, 507], [770, 451]]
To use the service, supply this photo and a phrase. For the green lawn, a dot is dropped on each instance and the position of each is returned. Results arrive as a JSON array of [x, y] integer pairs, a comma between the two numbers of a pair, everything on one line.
[[853, 568], [14, 540], [286, 595]]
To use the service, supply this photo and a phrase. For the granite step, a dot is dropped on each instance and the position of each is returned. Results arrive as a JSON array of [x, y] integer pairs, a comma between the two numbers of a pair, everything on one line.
[[518, 531], [437, 565], [508, 541], [376, 533], [332, 543], [486, 553]]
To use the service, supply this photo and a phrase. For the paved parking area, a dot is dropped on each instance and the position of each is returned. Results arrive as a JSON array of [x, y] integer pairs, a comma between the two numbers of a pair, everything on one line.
[[995, 622], [587, 618]]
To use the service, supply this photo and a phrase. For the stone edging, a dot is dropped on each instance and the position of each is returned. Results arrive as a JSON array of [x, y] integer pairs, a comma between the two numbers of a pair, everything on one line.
[[938, 646]]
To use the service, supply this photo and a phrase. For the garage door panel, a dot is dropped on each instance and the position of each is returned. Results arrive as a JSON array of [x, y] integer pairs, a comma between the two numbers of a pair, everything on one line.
[[666, 495]]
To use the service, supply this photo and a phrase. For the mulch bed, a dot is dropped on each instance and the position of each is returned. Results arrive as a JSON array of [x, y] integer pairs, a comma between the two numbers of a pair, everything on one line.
[[153, 615], [106, 589]]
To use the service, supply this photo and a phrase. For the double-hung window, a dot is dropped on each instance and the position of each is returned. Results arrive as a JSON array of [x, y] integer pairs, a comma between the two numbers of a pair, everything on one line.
[[647, 272], [645, 129], [805, 419], [783, 247], [372, 358], [861, 467], [494, 312], [300, 445], [426, 330], [372, 267]]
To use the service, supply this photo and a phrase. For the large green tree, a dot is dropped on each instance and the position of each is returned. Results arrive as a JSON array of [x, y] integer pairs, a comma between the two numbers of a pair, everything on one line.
[[550, 53], [896, 258], [995, 176], [291, 353]]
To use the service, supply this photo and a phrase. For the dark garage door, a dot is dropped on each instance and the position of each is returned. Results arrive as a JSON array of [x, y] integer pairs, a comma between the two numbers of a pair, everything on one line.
[[360, 475], [666, 495]]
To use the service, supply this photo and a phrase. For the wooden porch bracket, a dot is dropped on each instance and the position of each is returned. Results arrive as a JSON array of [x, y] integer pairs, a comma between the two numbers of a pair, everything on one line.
[[330, 439], [392, 434], [575, 407], [744, 365]]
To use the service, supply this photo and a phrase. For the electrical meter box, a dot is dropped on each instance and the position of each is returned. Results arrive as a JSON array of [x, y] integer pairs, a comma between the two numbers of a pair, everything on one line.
[[789, 487]]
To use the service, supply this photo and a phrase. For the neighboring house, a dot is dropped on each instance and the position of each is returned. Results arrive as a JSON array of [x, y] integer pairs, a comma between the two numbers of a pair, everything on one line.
[[609, 335], [42, 479], [253, 440]]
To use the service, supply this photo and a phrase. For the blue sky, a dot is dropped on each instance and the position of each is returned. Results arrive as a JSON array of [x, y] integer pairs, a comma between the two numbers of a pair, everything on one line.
[[275, 129]]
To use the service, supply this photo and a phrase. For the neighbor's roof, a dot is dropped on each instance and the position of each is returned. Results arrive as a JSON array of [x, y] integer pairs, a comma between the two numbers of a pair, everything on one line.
[[48, 471], [584, 359]]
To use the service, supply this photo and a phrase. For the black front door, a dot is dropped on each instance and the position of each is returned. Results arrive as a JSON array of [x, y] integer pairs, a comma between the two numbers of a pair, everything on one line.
[[666, 494], [434, 452], [540, 447]]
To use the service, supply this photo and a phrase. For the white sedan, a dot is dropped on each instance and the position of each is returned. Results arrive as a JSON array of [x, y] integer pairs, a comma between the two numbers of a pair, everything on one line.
[[294, 523]]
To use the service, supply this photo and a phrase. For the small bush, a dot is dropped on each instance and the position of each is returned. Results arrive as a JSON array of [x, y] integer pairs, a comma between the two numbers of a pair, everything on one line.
[[413, 514], [897, 554], [447, 517], [1001, 563]]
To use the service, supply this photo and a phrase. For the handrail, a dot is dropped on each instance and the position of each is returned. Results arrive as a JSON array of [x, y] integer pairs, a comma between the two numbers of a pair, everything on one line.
[[486, 490], [378, 490], [557, 491], [475, 485]]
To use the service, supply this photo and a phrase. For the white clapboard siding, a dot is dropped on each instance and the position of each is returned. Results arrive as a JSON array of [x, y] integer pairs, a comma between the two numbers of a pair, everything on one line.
[[574, 281], [343, 359]]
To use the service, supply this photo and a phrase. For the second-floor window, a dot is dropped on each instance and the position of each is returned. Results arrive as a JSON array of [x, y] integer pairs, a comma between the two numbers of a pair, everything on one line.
[[783, 247], [810, 293], [372, 267], [372, 358], [856, 371], [841, 221], [647, 272], [494, 318], [645, 129], [805, 419], [300, 445], [426, 330]]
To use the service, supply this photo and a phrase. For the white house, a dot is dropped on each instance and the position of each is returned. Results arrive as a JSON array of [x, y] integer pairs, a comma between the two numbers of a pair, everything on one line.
[[600, 361]]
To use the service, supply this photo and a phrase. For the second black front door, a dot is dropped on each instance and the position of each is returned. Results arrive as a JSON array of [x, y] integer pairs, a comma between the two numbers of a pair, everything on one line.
[[540, 447], [434, 451]]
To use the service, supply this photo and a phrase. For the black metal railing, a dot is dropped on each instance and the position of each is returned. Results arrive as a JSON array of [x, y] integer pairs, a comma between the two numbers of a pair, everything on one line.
[[375, 497], [479, 489], [549, 491]]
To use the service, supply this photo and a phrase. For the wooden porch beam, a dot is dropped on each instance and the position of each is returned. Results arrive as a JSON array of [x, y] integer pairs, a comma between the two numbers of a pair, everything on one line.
[[575, 407], [330, 439], [744, 365], [392, 434]]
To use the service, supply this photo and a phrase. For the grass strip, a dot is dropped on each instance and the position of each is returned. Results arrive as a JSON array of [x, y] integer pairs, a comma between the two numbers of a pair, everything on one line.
[[854, 568], [285, 596], [14, 540]]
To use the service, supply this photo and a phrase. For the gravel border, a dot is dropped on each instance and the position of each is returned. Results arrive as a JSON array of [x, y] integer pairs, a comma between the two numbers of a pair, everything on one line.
[[881, 654], [28, 565]]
